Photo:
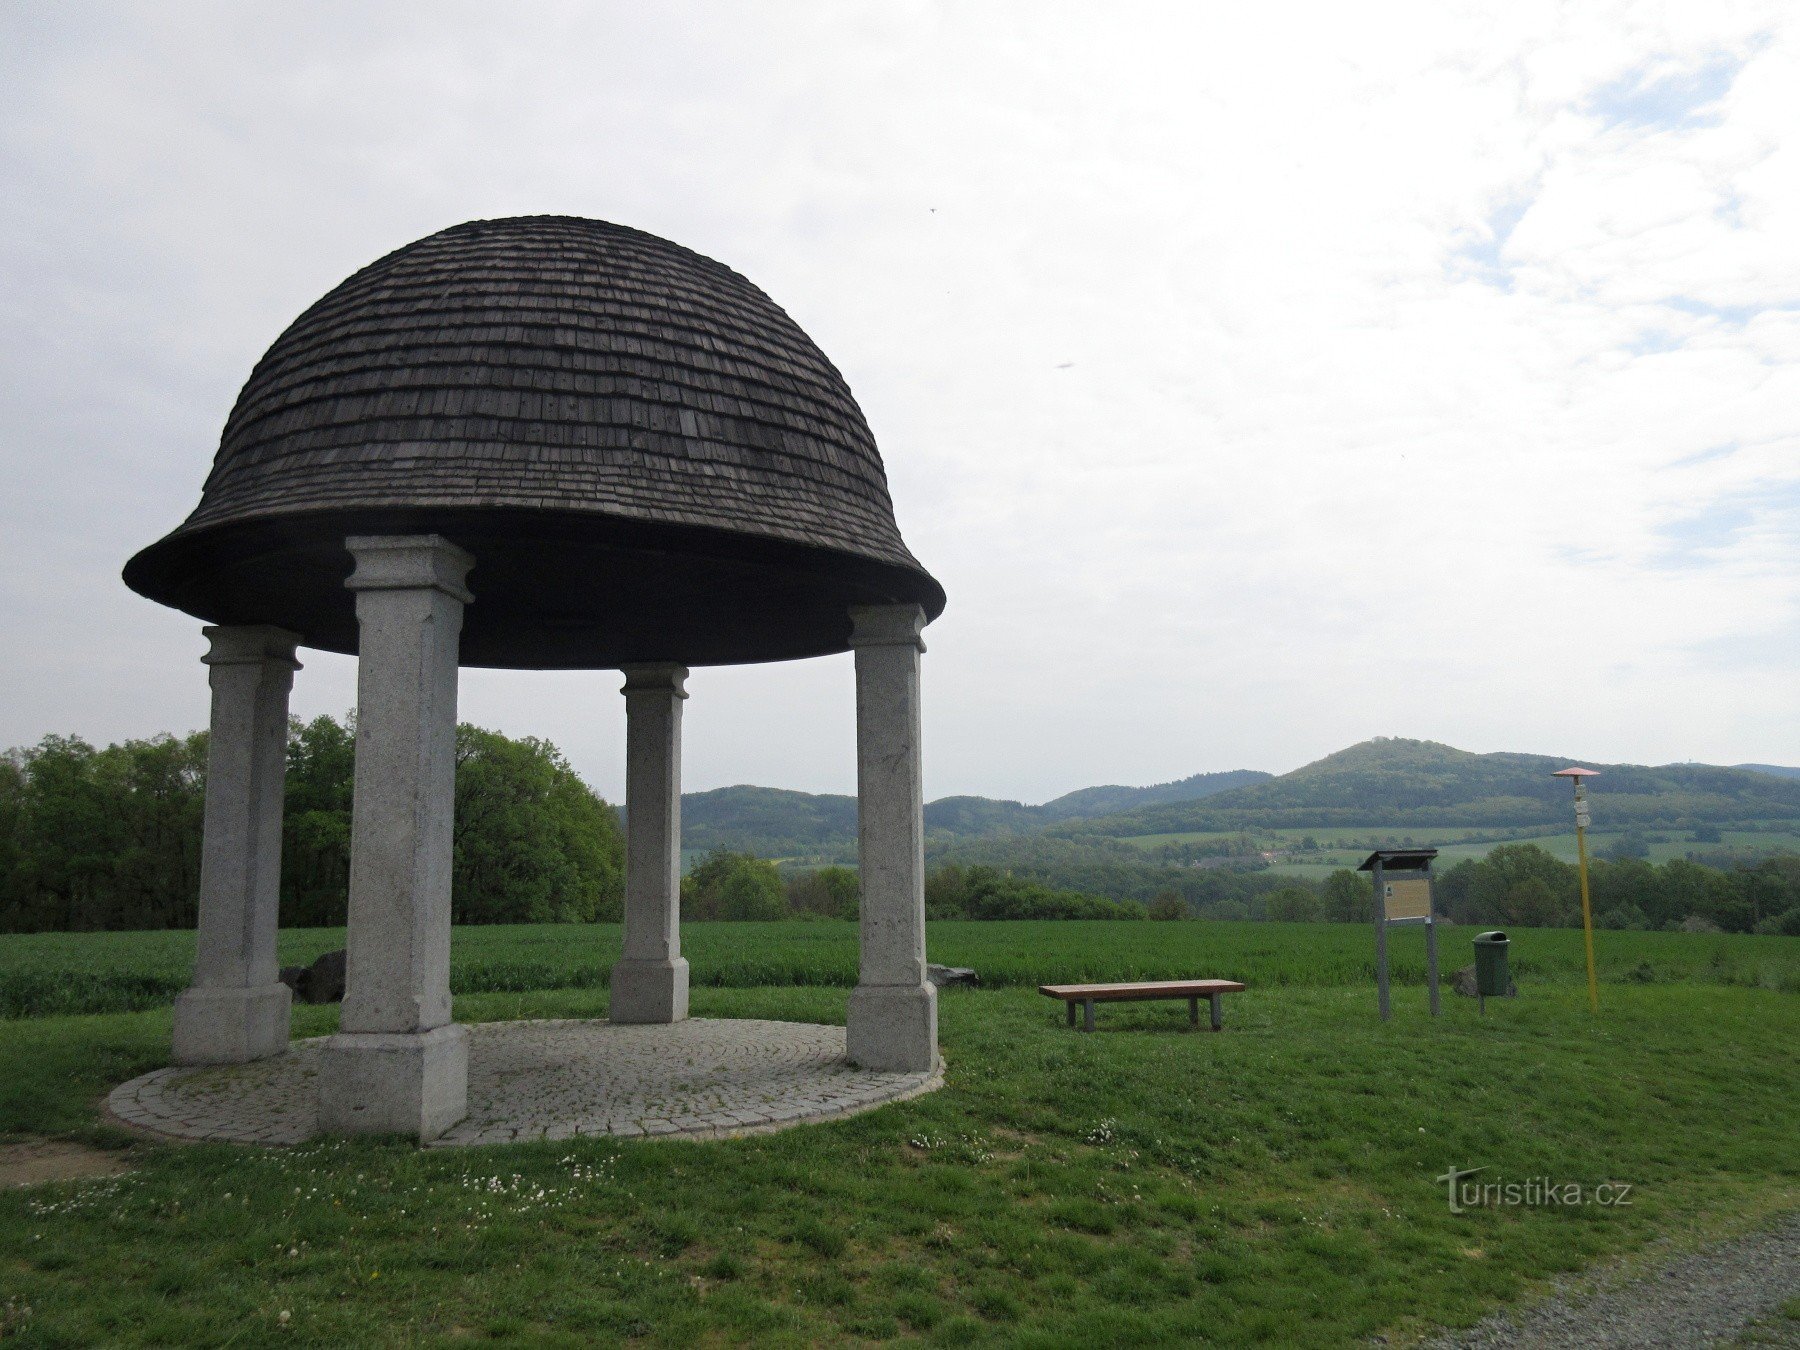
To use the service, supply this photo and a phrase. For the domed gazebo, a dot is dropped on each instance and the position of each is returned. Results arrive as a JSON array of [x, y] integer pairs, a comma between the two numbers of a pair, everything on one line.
[[539, 443]]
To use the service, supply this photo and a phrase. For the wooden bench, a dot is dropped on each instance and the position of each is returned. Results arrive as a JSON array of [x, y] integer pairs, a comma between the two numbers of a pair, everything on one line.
[[1192, 990]]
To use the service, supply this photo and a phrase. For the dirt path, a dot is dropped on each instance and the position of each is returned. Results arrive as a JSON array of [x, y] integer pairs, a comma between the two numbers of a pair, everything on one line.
[[37, 1160]]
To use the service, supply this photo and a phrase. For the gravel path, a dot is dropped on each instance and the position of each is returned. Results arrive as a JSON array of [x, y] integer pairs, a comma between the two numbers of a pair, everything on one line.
[[1708, 1298]]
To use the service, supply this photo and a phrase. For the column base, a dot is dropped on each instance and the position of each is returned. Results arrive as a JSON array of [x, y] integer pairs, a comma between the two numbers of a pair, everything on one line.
[[893, 1028], [231, 1025], [649, 991], [414, 1083]]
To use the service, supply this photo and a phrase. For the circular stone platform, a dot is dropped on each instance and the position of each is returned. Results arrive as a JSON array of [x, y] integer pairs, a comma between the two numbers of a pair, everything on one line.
[[554, 1080]]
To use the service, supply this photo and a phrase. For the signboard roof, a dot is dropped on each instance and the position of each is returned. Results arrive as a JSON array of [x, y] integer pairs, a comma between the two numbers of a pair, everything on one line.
[[1398, 859]]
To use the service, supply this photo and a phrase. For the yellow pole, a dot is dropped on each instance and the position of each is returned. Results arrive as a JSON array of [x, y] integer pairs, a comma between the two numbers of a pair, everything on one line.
[[1587, 913]]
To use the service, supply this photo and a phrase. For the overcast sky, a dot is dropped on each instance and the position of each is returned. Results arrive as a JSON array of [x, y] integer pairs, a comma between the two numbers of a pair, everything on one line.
[[1256, 380]]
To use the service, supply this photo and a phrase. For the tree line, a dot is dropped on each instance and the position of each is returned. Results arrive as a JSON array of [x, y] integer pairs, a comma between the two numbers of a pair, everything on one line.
[[1523, 886], [110, 838]]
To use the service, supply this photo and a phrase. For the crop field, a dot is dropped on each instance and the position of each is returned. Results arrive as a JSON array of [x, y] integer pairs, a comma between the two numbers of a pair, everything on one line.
[[46, 973], [1279, 1182]]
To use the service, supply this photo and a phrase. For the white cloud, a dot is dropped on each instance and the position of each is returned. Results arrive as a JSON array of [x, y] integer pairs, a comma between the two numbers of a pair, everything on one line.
[[1255, 382]]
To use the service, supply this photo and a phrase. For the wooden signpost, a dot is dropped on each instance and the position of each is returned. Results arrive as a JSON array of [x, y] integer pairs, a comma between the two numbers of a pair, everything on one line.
[[1403, 896]]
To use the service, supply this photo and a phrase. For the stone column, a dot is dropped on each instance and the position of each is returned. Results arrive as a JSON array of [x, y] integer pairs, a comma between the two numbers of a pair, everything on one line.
[[650, 982], [238, 1009], [893, 1010], [398, 1065]]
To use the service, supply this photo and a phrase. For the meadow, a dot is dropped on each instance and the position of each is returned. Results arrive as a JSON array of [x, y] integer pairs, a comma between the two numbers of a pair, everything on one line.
[[55, 973], [1146, 1184], [1347, 846]]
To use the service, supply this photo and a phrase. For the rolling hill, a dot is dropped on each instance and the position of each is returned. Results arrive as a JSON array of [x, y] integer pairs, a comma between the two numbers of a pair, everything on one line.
[[1385, 782], [776, 822], [1779, 770], [1395, 782]]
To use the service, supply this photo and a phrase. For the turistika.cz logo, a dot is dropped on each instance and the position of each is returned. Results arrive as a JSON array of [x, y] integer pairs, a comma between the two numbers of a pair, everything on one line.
[[1532, 1191]]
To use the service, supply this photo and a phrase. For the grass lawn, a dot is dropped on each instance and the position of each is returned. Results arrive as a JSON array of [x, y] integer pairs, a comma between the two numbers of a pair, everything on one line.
[[1145, 1184]]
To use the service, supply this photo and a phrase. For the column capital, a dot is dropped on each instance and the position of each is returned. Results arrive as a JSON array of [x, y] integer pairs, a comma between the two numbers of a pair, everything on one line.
[[394, 562], [887, 626], [249, 645], [663, 676]]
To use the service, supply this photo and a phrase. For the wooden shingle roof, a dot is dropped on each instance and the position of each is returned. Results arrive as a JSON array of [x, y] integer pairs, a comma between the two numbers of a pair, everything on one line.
[[649, 459]]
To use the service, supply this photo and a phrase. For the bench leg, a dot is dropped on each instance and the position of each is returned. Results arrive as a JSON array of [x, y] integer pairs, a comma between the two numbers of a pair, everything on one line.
[[1070, 1005], [1193, 1012], [1218, 1011], [1088, 1015]]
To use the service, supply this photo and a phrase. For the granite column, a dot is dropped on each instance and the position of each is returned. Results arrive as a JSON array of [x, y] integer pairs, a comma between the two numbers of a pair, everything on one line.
[[892, 1022], [398, 1065], [237, 1008], [650, 982]]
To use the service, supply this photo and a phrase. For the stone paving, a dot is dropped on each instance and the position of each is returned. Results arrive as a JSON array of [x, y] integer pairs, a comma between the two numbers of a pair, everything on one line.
[[554, 1080]]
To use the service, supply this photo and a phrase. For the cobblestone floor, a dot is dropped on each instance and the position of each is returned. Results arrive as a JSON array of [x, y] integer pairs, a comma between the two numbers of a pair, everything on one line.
[[554, 1080]]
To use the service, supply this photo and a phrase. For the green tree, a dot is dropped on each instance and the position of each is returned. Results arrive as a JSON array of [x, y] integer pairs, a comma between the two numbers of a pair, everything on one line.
[[1521, 884], [828, 892], [728, 885], [1347, 898], [533, 842], [1291, 904], [946, 892], [102, 838], [315, 839], [1168, 905], [112, 838], [1530, 903]]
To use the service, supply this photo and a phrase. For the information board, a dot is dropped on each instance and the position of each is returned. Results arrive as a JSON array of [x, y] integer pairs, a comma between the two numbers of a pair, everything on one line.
[[1407, 898]]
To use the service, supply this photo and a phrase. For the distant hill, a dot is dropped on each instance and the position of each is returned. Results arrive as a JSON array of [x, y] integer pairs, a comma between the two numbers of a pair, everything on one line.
[[1384, 782], [773, 822], [1101, 801], [777, 822], [1778, 770], [1389, 781]]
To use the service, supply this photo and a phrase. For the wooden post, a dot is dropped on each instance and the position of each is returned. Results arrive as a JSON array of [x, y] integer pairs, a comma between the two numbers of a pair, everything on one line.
[[1381, 970], [1431, 962], [1587, 912]]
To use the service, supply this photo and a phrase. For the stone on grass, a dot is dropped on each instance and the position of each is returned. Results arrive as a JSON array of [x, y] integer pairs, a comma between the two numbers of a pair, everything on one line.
[[1463, 982], [325, 979], [947, 975]]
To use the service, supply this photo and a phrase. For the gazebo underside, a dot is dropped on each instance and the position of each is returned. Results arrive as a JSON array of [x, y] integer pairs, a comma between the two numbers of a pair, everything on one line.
[[700, 1078]]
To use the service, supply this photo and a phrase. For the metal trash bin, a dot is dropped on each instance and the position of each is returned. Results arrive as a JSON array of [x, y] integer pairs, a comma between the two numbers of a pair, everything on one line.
[[1492, 977]]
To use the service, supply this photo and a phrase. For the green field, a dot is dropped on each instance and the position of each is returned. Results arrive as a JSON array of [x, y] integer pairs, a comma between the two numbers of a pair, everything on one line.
[[116, 972], [1348, 836], [1143, 1185], [1344, 846]]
